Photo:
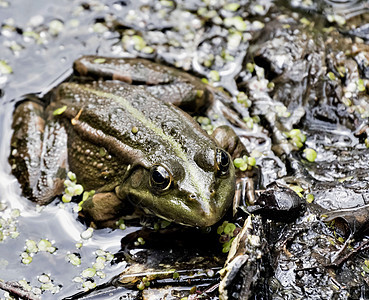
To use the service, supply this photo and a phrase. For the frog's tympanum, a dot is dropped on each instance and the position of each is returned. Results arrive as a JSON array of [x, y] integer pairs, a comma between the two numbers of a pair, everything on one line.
[[118, 127]]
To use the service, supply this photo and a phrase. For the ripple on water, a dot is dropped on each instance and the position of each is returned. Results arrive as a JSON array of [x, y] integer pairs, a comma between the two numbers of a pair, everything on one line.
[[345, 8]]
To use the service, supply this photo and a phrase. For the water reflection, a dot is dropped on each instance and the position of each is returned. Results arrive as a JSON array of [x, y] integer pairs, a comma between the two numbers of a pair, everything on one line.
[[345, 8]]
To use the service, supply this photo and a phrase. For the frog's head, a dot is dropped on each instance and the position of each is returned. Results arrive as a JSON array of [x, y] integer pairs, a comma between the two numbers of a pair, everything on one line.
[[194, 193]]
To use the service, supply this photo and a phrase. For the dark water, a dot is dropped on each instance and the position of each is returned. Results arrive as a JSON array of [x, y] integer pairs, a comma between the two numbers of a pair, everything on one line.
[[46, 60]]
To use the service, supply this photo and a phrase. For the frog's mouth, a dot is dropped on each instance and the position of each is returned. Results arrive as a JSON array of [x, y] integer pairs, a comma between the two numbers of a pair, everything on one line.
[[176, 210]]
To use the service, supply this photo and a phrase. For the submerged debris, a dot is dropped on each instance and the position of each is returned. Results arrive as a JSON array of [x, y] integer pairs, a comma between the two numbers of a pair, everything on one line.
[[246, 262]]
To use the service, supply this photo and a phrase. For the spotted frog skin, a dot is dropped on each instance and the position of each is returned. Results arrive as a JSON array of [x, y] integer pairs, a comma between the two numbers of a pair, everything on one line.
[[118, 127]]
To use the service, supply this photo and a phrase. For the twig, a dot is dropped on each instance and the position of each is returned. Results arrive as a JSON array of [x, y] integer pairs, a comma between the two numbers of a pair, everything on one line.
[[338, 261], [15, 289]]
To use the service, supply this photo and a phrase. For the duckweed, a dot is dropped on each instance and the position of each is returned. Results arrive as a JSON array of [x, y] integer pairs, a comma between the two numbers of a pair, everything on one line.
[[140, 241], [250, 67], [120, 224], [341, 70], [339, 20], [227, 232], [15, 213], [5, 68], [101, 274], [309, 198], [259, 9], [244, 163], [236, 22], [100, 263], [74, 259], [55, 27], [78, 279], [8, 227], [134, 130], [143, 283], [88, 285], [102, 258], [251, 121], [167, 3], [26, 258], [45, 245], [141, 286], [139, 43], [161, 224], [88, 273], [59, 111], [331, 76], [25, 285], [31, 246], [205, 123], [366, 142], [305, 21], [366, 266], [86, 195], [282, 112], [310, 154], [44, 278], [71, 188], [361, 85], [297, 189], [99, 60], [231, 6], [243, 99], [99, 28], [85, 235], [214, 75], [296, 137]]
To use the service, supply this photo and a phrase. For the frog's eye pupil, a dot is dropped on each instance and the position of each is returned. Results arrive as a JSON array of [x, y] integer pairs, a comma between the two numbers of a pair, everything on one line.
[[160, 178], [222, 162]]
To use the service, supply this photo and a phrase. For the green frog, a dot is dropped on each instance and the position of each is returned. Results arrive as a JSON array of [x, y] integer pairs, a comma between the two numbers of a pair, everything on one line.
[[120, 126]]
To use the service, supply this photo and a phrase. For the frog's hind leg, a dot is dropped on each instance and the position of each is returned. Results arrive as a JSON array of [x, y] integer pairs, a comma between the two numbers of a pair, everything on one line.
[[167, 84], [38, 155]]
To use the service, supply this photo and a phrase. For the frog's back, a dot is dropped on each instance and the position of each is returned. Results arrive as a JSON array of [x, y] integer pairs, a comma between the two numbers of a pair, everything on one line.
[[137, 123]]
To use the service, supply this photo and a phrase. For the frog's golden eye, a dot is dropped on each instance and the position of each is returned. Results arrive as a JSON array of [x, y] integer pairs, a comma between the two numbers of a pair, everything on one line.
[[160, 178], [222, 162]]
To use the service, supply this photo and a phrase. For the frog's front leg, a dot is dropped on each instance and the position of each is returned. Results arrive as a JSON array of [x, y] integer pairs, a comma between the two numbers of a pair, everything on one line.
[[38, 153], [103, 209], [165, 83], [227, 139]]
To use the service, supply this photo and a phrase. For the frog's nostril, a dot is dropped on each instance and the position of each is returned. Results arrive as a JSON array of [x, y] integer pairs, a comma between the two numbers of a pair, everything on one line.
[[192, 197]]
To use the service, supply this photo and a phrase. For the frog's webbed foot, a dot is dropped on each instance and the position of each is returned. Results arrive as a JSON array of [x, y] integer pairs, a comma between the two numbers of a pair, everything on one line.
[[38, 153], [245, 184]]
